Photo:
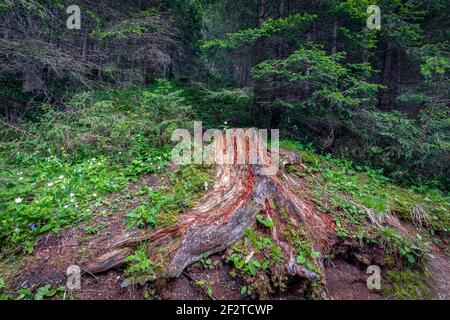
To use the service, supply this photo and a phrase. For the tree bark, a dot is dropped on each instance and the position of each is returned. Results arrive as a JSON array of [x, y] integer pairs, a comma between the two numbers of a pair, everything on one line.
[[219, 220], [334, 33], [384, 99], [282, 7], [261, 11]]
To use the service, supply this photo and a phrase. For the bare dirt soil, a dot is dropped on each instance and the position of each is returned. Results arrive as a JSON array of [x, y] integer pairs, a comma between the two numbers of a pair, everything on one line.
[[439, 269], [347, 282]]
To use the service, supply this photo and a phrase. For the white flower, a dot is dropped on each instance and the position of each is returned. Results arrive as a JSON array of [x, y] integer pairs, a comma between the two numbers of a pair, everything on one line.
[[61, 177], [225, 122], [94, 194], [19, 173], [72, 200], [21, 178], [76, 206], [18, 200], [63, 187], [72, 195], [50, 184], [66, 206]]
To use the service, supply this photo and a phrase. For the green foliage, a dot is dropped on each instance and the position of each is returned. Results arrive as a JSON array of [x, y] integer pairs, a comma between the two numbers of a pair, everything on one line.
[[3, 295], [306, 256], [407, 284], [405, 251], [391, 139], [323, 96], [136, 25], [250, 267], [246, 291], [53, 192], [402, 22], [6, 5], [347, 191], [341, 181], [261, 246], [220, 108], [119, 122], [326, 84], [206, 285], [72, 159], [162, 205], [52, 195], [269, 28], [208, 263], [140, 269], [267, 222], [354, 9], [165, 108], [332, 83], [40, 293], [258, 262], [46, 292]]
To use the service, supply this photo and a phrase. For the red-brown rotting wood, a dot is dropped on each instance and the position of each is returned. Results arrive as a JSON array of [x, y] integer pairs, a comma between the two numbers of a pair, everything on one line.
[[222, 215]]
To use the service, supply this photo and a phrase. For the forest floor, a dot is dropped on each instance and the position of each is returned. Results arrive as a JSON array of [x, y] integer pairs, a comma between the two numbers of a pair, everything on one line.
[[345, 277]]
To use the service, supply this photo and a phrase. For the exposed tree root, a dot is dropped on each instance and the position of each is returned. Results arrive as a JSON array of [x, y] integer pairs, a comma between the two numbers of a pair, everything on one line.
[[219, 220]]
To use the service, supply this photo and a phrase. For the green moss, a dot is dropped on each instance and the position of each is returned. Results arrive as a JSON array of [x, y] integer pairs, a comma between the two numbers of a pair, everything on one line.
[[407, 284], [309, 157], [370, 201], [434, 202], [341, 179]]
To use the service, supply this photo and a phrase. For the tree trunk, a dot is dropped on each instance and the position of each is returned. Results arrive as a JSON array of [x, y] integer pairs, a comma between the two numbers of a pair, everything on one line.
[[282, 7], [261, 11], [219, 220], [334, 33], [384, 99]]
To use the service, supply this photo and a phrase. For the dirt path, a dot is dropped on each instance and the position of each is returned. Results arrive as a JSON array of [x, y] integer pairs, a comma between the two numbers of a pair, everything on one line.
[[347, 282], [439, 269]]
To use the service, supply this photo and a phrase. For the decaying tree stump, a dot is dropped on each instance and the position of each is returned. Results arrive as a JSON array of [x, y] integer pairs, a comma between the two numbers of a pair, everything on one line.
[[219, 220]]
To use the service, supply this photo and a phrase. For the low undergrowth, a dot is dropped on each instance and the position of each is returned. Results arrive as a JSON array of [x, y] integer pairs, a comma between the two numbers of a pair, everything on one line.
[[349, 193], [35, 292], [162, 205], [407, 284], [341, 187], [56, 171], [140, 268], [259, 262], [51, 193]]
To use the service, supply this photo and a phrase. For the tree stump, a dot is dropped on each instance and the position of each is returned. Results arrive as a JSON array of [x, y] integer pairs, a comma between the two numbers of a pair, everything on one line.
[[239, 193]]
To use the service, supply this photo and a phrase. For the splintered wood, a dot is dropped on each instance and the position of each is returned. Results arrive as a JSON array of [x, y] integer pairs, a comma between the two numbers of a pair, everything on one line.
[[228, 208]]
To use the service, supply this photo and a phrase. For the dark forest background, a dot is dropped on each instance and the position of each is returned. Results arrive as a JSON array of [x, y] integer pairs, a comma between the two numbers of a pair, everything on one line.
[[310, 68], [86, 118]]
